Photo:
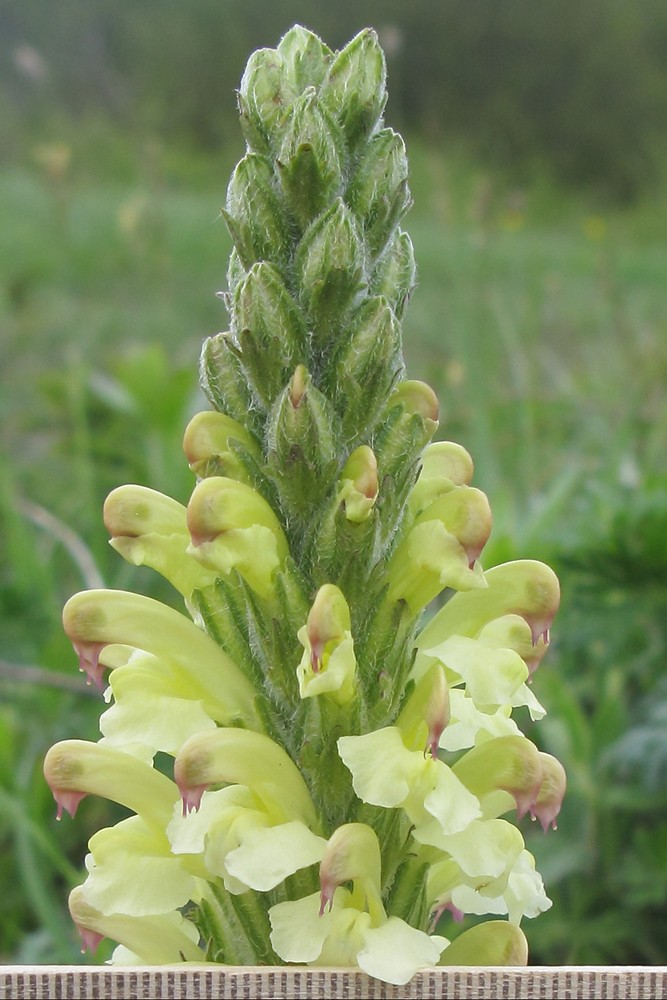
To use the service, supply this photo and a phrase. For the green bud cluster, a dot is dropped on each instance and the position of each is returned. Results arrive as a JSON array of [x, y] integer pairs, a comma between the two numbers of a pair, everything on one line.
[[302, 706]]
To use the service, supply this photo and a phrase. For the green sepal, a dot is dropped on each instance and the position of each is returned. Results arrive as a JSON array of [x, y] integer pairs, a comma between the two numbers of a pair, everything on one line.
[[304, 418], [378, 192], [384, 659], [366, 368], [292, 596], [393, 830], [395, 274], [310, 161], [334, 543], [329, 265], [398, 443], [355, 89], [273, 646], [222, 379], [254, 215], [223, 933], [407, 898], [248, 918], [327, 777], [236, 273], [256, 475], [262, 304], [222, 612], [262, 367]]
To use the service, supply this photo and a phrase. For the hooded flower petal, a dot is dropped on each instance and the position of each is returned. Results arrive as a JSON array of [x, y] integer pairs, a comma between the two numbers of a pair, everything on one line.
[[76, 768], [161, 939], [150, 529], [524, 587], [233, 527], [95, 618], [239, 756], [494, 943]]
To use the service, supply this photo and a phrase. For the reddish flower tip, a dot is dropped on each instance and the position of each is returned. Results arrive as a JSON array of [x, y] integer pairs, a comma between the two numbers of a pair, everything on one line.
[[326, 897], [191, 797], [89, 661], [91, 939], [67, 800]]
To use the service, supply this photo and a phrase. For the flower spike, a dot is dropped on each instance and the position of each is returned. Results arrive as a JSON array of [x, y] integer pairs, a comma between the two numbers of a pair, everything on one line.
[[331, 756]]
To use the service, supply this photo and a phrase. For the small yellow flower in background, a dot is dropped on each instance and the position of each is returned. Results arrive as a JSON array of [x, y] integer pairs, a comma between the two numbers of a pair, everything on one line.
[[55, 158], [511, 220], [594, 228]]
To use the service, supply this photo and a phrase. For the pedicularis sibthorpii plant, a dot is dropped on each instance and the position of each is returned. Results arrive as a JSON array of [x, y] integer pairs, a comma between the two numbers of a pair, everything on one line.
[[339, 776]]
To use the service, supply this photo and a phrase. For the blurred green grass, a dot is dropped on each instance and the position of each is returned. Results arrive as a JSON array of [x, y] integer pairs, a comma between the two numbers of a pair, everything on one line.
[[541, 324]]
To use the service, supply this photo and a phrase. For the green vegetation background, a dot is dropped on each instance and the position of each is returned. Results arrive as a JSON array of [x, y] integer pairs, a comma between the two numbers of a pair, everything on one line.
[[536, 133]]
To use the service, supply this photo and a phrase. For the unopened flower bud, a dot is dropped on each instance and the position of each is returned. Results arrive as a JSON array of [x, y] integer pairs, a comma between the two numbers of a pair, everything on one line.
[[411, 421], [441, 549], [426, 713], [366, 367], [416, 397], [306, 58], [329, 266], [552, 790], [379, 190], [265, 93], [328, 665], [222, 379], [254, 216], [206, 444], [352, 854], [309, 160], [303, 421], [233, 527], [509, 764], [359, 484], [263, 306], [395, 274], [491, 943], [355, 89]]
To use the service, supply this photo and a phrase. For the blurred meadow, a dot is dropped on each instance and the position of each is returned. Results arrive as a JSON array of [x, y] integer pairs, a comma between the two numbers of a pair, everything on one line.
[[537, 137]]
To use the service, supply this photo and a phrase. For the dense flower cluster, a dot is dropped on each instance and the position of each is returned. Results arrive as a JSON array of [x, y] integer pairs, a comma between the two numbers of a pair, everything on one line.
[[340, 776]]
